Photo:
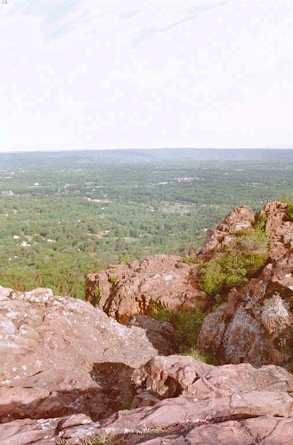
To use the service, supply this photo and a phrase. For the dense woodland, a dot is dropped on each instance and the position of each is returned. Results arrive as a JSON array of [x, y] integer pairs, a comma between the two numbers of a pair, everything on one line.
[[65, 214]]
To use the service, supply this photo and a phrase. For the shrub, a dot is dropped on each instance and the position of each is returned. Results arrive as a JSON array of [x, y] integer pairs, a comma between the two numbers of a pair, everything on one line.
[[236, 263], [290, 210], [212, 277], [96, 296], [261, 222], [114, 280], [99, 440], [225, 270], [187, 324], [190, 260]]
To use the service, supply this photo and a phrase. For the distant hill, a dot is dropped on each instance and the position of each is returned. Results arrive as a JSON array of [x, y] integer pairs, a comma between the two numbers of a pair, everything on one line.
[[131, 156]]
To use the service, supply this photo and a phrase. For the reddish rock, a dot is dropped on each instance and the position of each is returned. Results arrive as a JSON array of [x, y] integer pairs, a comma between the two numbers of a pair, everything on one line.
[[281, 273], [203, 402], [61, 356], [241, 218], [76, 430], [279, 229], [168, 377], [206, 405], [256, 323], [48, 431], [126, 290], [161, 334]]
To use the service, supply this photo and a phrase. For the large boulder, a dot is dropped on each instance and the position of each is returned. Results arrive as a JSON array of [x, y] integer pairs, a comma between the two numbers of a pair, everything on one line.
[[199, 405], [126, 290], [61, 356]]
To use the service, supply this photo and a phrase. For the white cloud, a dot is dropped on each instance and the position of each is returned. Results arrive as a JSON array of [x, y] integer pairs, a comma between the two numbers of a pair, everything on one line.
[[153, 73]]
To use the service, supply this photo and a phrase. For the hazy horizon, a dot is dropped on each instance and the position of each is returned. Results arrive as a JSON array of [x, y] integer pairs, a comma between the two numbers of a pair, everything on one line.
[[134, 155], [122, 149]]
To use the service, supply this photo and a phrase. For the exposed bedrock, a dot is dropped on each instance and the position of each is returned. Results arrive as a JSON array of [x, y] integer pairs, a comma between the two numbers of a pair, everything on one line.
[[196, 404], [129, 289], [61, 356], [255, 322]]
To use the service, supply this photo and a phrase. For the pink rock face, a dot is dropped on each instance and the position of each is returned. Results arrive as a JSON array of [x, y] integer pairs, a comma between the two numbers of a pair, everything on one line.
[[77, 430], [282, 271], [60, 356], [126, 290], [201, 402], [205, 405], [167, 377], [255, 323], [47, 431], [241, 218], [161, 334], [278, 229]]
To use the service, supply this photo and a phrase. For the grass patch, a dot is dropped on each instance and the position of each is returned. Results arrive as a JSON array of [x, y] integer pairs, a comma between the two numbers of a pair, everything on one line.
[[113, 280], [290, 210], [96, 297], [196, 355], [261, 222], [99, 440], [190, 260]]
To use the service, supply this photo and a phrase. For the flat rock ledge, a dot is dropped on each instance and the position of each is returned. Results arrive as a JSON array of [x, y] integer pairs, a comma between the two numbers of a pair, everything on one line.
[[192, 404]]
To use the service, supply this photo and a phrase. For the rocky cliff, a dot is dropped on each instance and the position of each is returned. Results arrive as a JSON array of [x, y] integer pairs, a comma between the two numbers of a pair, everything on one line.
[[71, 373], [254, 323], [241, 279]]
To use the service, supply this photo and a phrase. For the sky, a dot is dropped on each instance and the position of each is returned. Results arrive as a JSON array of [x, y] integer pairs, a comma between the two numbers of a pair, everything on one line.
[[90, 74]]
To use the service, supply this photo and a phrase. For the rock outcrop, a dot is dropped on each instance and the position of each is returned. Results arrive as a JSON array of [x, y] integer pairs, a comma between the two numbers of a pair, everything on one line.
[[279, 229], [248, 429], [199, 405], [126, 290], [255, 323], [62, 356], [241, 218], [173, 376], [160, 333]]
